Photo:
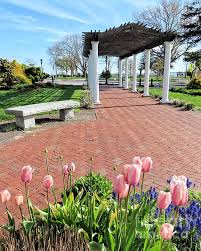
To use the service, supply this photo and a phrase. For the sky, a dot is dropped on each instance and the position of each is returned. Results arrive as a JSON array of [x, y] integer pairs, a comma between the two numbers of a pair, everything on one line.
[[29, 27]]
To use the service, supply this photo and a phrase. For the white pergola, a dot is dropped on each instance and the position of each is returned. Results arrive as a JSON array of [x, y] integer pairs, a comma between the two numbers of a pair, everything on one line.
[[123, 42]]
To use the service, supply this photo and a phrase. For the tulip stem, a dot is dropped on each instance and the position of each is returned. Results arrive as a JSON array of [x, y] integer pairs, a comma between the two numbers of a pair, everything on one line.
[[27, 199], [63, 175], [134, 201], [126, 212], [70, 181], [142, 185], [21, 212], [48, 205]]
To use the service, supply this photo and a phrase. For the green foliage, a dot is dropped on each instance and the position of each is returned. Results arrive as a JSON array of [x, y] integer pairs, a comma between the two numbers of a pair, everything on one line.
[[106, 74], [195, 83], [195, 195], [93, 182], [35, 74], [86, 99]]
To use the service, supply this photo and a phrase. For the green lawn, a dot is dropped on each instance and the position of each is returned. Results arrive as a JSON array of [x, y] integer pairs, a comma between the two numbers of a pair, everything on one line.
[[195, 100], [71, 78], [12, 98]]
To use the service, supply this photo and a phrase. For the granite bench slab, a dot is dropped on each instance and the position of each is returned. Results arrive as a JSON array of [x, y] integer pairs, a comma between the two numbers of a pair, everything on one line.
[[25, 114]]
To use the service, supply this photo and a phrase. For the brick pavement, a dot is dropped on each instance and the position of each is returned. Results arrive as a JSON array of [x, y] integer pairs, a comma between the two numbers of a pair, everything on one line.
[[127, 125]]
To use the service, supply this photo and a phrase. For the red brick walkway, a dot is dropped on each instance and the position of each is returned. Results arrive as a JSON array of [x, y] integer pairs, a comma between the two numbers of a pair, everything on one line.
[[127, 125]]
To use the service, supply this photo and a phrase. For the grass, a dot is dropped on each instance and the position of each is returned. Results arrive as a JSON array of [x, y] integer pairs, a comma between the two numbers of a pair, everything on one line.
[[187, 98], [71, 78], [12, 98]]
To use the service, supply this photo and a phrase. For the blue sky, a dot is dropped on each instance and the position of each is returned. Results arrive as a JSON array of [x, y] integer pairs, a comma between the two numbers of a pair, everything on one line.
[[29, 27]]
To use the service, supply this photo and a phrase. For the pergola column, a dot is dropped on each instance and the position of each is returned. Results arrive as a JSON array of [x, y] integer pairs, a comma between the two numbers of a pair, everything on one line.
[[90, 82], [95, 80], [126, 74], [166, 73], [134, 86], [147, 70], [120, 73]]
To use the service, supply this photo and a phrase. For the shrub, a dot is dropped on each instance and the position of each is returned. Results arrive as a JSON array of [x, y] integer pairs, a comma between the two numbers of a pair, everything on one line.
[[86, 99], [195, 83], [93, 183], [189, 106]]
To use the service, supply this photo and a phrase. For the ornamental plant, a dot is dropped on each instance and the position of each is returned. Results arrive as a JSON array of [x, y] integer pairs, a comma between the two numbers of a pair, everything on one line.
[[131, 218]]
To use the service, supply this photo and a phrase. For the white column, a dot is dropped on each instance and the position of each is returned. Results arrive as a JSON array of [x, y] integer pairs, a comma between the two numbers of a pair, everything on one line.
[[90, 73], [146, 75], [166, 74], [95, 80], [134, 86], [120, 73], [126, 74]]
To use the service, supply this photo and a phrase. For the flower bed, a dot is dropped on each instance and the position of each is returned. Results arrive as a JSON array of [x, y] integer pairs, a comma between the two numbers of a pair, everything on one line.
[[87, 217]]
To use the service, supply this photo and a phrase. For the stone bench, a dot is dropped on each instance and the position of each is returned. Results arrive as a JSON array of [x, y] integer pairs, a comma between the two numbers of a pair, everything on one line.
[[25, 115]]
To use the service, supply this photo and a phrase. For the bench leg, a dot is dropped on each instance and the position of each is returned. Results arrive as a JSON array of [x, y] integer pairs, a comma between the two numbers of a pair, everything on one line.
[[66, 114], [25, 122]]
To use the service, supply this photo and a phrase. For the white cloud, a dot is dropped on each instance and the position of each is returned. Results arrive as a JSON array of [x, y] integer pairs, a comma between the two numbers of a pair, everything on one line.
[[14, 18], [43, 7], [27, 23]]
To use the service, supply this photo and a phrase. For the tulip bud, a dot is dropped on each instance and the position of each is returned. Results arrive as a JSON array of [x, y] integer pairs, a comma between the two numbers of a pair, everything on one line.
[[65, 170], [134, 175], [26, 174], [5, 196], [48, 182], [121, 187], [125, 171], [164, 200], [71, 167], [19, 200], [146, 164], [137, 161], [166, 231]]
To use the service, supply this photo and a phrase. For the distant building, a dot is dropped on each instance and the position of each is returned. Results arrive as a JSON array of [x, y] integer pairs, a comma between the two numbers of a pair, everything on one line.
[[178, 74]]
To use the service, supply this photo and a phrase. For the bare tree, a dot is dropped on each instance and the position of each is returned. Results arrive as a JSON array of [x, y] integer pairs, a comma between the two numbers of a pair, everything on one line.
[[166, 16], [70, 47]]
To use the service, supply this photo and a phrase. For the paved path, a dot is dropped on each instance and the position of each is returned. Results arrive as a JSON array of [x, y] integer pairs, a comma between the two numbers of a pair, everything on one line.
[[127, 125]]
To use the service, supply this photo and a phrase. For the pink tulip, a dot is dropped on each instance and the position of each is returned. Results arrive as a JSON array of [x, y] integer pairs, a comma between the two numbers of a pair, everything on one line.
[[48, 182], [176, 178], [164, 200], [134, 175], [124, 194], [120, 187], [137, 161], [71, 167], [179, 192], [26, 174], [19, 200], [65, 170], [146, 164], [166, 231], [5, 196], [125, 171]]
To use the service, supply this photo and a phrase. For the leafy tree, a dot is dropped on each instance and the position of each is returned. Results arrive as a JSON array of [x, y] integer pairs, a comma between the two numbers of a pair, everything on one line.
[[35, 74], [191, 22], [195, 59], [106, 74]]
